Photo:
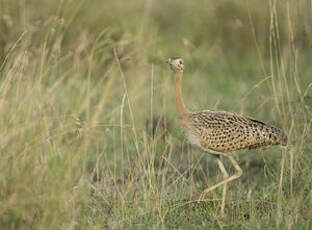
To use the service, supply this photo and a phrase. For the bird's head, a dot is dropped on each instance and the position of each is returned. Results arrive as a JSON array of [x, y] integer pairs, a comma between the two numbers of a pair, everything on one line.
[[176, 64]]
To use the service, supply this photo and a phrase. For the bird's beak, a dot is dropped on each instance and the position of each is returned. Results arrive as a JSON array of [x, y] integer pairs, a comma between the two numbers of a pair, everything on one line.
[[168, 61]]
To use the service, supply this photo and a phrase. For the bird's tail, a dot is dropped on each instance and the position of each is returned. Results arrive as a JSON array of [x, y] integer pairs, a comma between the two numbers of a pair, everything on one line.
[[277, 137], [283, 139]]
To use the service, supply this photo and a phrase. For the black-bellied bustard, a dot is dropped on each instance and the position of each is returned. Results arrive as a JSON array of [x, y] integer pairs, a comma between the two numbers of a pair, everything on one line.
[[220, 132]]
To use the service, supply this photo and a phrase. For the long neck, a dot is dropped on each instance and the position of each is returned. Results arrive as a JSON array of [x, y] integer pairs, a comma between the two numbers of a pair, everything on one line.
[[181, 110]]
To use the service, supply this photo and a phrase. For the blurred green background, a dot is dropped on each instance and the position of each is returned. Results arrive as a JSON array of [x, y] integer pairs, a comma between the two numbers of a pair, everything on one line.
[[88, 129]]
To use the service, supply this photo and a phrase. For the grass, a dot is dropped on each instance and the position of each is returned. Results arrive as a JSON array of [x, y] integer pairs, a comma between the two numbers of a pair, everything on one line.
[[83, 87]]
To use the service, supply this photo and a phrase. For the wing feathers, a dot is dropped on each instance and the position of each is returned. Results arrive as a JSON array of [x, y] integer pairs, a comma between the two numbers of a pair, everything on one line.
[[224, 131]]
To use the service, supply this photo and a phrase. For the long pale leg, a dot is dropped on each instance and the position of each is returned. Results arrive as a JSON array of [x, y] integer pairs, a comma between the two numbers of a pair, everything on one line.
[[238, 173], [225, 176]]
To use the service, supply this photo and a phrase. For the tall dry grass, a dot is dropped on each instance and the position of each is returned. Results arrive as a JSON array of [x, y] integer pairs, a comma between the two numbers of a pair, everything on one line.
[[83, 85]]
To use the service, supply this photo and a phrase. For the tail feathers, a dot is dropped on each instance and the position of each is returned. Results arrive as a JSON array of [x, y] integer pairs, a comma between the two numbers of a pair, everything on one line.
[[279, 137], [270, 136]]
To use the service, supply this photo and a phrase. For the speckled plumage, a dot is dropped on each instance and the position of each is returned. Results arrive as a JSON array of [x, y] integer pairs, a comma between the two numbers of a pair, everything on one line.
[[220, 132], [223, 132]]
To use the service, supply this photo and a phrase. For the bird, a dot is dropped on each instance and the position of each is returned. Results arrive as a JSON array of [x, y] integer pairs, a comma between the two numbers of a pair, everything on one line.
[[220, 133]]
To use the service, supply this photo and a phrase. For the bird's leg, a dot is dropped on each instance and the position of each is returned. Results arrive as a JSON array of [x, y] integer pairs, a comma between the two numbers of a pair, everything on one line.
[[238, 173], [225, 176]]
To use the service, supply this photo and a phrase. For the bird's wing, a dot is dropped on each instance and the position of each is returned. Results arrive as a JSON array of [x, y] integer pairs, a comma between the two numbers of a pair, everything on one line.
[[224, 131]]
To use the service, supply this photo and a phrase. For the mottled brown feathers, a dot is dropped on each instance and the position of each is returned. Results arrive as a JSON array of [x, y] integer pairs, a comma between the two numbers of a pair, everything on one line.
[[224, 132], [219, 131]]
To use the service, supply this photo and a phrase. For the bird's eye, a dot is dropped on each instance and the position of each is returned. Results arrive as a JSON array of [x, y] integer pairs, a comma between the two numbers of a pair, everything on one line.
[[181, 62]]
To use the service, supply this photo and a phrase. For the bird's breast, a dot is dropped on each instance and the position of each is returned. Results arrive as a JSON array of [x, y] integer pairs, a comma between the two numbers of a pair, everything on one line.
[[191, 138]]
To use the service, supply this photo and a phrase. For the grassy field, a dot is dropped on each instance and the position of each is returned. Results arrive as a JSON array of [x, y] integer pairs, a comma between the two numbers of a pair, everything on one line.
[[89, 138]]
